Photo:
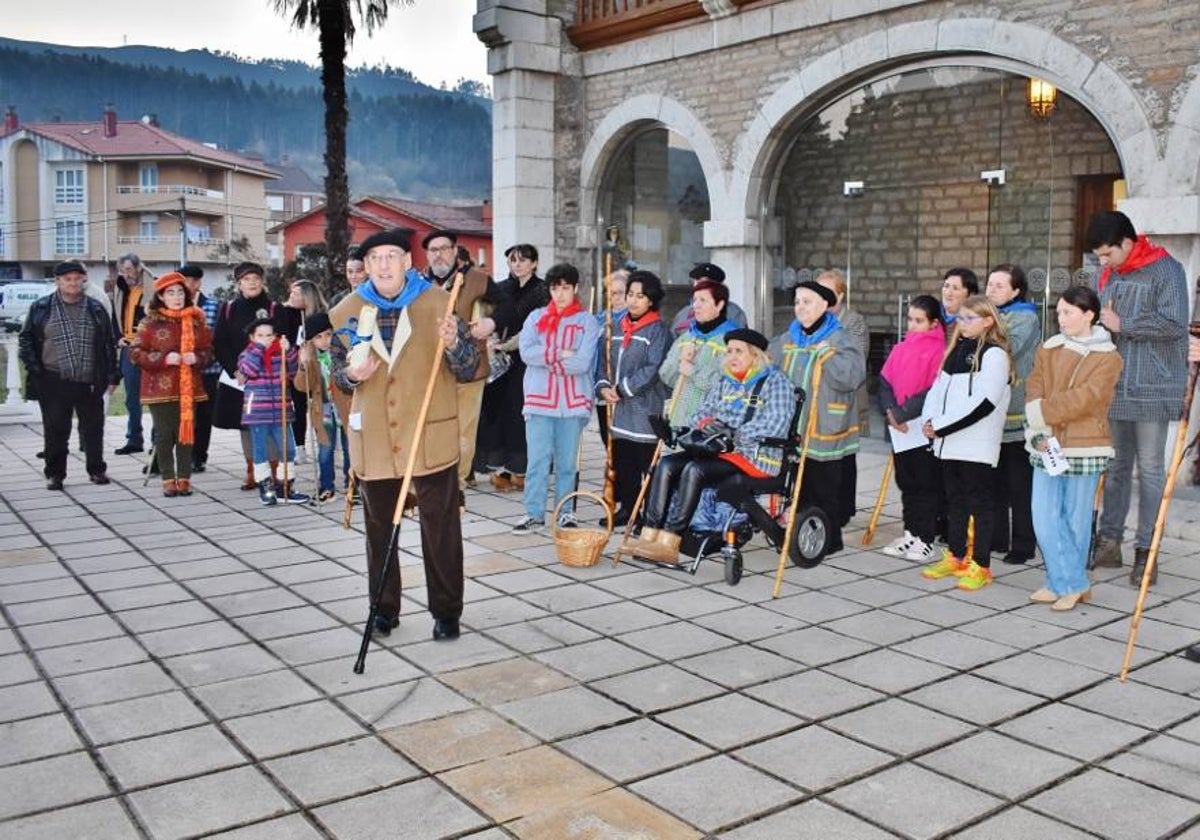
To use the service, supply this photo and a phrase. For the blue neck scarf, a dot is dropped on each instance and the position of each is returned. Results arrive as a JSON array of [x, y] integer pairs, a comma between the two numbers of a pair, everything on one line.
[[720, 329], [947, 318], [1017, 306], [743, 388], [802, 339], [414, 286]]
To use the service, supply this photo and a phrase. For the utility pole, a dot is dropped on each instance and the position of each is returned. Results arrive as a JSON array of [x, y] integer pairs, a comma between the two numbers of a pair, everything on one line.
[[182, 230]]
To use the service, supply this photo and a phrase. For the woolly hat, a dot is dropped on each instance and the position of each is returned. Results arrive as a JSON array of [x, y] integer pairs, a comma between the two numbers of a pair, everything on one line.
[[439, 234], [400, 237], [171, 278], [193, 271], [317, 324], [826, 295], [752, 337], [69, 266]]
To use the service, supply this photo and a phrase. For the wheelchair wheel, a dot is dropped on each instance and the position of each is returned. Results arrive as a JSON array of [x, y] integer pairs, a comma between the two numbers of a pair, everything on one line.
[[733, 565], [810, 537]]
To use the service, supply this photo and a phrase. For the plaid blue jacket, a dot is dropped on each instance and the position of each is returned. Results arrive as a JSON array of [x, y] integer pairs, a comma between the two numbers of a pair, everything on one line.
[[775, 403], [210, 306]]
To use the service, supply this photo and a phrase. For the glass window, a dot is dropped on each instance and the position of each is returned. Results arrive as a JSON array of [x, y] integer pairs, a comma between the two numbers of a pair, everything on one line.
[[305, 204], [275, 203], [68, 186], [653, 206], [197, 233], [69, 237], [148, 228], [148, 177]]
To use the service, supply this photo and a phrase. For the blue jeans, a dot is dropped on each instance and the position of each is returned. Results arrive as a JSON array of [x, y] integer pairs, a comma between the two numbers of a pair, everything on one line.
[[131, 374], [326, 452], [550, 439], [1062, 520], [260, 434], [1144, 443]]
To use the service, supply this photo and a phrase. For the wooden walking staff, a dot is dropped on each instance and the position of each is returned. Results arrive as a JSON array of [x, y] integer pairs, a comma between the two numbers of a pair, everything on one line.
[[405, 486], [348, 513], [641, 497], [1177, 456], [610, 470], [283, 421], [869, 534]]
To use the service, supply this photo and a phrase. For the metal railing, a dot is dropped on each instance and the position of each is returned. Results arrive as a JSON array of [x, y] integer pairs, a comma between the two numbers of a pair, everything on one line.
[[169, 240], [169, 189]]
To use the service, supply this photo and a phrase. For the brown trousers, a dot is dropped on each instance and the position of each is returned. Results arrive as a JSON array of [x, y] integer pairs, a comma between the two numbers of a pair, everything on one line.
[[441, 540]]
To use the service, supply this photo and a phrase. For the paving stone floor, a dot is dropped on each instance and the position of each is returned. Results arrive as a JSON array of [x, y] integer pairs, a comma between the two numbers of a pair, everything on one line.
[[176, 668]]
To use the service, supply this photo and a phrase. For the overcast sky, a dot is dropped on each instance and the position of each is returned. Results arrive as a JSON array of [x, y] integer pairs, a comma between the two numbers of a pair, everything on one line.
[[432, 39]]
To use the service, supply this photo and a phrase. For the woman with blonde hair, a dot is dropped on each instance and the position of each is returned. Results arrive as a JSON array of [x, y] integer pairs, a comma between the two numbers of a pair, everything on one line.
[[304, 301], [965, 411]]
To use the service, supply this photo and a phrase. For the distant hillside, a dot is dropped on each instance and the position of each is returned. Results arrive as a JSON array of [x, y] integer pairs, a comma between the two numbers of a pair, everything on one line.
[[406, 138]]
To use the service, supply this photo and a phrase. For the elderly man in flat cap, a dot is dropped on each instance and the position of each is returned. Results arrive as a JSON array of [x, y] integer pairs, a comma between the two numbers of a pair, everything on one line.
[[70, 357], [395, 331]]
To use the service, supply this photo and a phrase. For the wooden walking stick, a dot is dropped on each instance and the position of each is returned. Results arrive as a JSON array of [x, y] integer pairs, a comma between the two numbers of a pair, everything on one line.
[[869, 534], [641, 497], [610, 470], [1160, 522], [283, 421], [405, 485], [348, 513], [1096, 502]]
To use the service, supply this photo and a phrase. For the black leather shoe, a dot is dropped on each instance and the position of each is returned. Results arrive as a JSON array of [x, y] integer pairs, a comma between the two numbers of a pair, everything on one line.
[[199, 466], [1014, 558], [41, 454], [1192, 652], [100, 478], [129, 449], [445, 628], [54, 483], [620, 519], [385, 625]]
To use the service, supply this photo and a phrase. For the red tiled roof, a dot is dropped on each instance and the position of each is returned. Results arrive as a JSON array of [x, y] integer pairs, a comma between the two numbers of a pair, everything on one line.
[[373, 218], [139, 140], [459, 218]]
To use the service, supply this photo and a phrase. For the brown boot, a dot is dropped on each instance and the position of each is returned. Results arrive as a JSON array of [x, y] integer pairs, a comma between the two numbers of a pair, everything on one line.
[[1108, 553], [250, 483], [665, 549], [502, 482], [183, 486], [647, 540], [170, 489], [518, 482], [1140, 556]]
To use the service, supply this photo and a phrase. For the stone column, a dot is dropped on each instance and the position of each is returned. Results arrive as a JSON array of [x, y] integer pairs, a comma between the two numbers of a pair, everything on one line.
[[524, 41], [734, 244]]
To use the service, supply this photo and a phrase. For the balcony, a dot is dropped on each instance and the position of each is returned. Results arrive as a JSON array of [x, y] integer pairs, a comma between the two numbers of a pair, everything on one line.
[[140, 199], [601, 23], [169, 189]]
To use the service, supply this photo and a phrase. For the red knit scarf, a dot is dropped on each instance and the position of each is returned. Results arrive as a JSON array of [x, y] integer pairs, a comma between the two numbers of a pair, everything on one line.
[[548, 323], [630, 326], [1144, 252], [188, 318]]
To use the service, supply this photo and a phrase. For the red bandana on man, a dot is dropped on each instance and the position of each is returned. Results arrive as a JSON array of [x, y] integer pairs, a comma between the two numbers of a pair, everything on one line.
[[1143, 253]]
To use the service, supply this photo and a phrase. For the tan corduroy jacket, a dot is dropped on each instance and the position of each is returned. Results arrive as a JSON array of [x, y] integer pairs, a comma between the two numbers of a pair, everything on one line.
[[310, 381], [383, 410], [1069, 391]]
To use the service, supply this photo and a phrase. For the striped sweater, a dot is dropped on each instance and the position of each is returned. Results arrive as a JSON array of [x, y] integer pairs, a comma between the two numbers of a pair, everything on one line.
[[263, 401]]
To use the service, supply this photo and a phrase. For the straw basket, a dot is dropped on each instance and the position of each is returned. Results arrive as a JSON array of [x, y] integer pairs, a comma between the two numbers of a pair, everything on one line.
[[581, 546]]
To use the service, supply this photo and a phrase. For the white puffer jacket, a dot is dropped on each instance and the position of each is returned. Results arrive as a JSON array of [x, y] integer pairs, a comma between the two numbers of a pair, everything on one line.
[[967, 407]]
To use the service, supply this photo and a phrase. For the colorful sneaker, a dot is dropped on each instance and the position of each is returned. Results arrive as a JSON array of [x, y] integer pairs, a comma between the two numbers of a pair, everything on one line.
[[920, 551], [900, 546], [975, 577], [568, 520], [947, 566]]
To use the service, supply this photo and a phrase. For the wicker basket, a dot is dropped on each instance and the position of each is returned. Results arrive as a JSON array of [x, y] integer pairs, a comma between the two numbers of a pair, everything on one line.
[[581, 547]]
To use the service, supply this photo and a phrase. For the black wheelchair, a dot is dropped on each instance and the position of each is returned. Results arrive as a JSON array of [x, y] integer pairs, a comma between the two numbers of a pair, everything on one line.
[[807, 534]]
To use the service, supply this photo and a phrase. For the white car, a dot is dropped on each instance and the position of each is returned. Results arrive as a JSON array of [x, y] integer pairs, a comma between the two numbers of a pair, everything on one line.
[[15, 300]]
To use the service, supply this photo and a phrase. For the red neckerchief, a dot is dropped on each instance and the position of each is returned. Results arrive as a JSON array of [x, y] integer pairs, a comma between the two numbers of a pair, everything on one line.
[[550, 319], [1144, 252], [271, 351], [630, 326]]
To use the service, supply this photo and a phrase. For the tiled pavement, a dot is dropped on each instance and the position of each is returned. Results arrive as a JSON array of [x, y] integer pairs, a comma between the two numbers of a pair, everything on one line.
[[182, 667]]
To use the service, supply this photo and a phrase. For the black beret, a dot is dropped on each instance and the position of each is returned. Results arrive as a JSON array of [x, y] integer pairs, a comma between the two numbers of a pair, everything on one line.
[[67, 266], [751, 337], [435, 234], [400, 237], [244, 268], [317, 324], [712, 272], [827, 295], [195, 272]]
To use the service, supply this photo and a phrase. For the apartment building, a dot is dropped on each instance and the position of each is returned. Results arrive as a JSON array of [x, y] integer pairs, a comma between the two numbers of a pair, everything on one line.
[[96, 190]]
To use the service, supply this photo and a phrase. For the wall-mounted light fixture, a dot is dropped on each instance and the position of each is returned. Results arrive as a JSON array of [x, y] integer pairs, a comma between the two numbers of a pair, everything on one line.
[[1042, 97]]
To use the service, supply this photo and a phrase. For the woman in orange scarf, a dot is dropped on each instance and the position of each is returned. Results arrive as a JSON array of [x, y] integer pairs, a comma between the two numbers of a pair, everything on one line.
[[172, 347]]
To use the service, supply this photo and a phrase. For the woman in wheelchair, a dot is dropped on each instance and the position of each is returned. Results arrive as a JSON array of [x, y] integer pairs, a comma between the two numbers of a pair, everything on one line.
[[752, 402]]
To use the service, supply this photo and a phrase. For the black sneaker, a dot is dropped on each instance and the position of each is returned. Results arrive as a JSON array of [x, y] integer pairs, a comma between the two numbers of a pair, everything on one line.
[[99, 478], [292, 497], [199, 466], [55, 483], [130, 449], [266, 492], [528, 525]]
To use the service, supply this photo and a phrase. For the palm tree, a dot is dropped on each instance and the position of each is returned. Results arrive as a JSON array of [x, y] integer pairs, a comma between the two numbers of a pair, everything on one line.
[[335, 24]]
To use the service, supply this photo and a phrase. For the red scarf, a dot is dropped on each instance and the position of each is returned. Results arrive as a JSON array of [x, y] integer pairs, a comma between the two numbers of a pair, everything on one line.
[[1144, 252], [550, 319], [271, 351], [187, 317], [630, 326]]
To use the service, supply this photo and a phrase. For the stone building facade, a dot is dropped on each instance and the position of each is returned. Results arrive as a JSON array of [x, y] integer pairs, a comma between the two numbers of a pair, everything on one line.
[[739, 80]]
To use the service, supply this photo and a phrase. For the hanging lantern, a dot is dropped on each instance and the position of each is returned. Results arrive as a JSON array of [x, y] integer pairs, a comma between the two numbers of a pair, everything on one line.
[[1042, 97]]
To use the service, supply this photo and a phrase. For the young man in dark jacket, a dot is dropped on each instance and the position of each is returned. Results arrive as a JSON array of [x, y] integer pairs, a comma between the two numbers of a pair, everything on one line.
[[70, 359]]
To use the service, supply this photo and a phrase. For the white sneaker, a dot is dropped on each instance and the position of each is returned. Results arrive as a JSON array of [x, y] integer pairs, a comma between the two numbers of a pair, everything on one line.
[[528, 525], [899, 546], [301, 456], [920, 551], [568, 520]]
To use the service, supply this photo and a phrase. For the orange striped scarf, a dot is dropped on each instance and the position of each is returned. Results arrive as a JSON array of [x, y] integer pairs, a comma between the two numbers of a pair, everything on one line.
[[188, 317]]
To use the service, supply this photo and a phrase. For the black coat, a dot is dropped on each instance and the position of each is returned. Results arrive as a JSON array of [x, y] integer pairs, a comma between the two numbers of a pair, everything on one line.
[[105, 372]]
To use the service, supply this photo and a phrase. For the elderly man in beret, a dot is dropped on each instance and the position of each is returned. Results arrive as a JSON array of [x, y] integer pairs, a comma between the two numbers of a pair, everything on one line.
[[395, 332], [70, 358]]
